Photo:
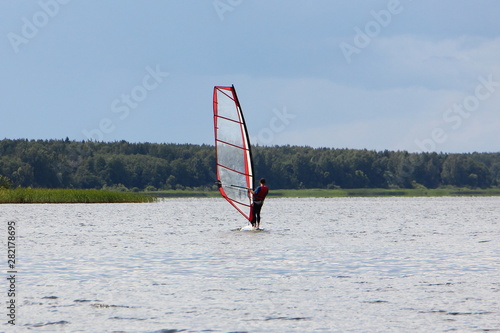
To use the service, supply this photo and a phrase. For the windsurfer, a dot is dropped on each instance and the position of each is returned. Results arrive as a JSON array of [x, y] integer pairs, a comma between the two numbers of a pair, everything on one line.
[[259, 195]]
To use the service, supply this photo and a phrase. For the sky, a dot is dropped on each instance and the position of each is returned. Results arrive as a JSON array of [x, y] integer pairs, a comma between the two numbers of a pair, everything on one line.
[[414, 75]]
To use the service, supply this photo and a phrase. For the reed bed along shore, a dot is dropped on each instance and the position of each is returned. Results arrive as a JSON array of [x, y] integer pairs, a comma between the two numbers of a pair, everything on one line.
[[31, 195]]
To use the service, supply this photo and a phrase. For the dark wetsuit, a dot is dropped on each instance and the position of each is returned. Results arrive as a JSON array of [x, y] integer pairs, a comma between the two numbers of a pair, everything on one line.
[[258, 200]]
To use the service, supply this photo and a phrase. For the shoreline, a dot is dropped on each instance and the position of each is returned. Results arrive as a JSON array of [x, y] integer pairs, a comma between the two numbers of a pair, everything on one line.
[[47, 196], [339, 193]]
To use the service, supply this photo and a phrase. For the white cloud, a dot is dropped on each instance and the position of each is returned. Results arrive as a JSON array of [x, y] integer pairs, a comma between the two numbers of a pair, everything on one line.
[[449, 63], [328, 114]]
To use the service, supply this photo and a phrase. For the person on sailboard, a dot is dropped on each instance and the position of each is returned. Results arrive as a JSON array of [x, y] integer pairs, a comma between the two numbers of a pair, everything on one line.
[[259, 195]]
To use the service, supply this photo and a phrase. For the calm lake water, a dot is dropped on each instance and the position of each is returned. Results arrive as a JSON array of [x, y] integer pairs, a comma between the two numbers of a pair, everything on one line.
[[320, 265]]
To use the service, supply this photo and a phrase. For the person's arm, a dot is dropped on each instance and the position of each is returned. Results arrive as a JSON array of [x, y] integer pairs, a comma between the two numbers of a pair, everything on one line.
[[254, 192]]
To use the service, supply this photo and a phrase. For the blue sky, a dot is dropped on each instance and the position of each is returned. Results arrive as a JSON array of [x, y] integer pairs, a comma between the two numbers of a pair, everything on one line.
[[397, 74]]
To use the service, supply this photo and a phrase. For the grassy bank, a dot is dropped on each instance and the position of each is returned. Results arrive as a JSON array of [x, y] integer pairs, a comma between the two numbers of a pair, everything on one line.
[[28, 195], [325, 193], [378, 192]]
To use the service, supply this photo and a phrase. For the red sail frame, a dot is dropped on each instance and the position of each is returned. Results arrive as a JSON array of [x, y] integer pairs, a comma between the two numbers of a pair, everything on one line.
[[234, 166]]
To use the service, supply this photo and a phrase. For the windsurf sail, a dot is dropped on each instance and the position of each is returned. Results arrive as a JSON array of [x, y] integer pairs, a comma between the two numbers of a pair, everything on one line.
[[234, 166]]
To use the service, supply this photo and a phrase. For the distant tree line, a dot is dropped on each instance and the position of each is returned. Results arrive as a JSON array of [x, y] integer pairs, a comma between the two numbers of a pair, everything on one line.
[[149, 166]]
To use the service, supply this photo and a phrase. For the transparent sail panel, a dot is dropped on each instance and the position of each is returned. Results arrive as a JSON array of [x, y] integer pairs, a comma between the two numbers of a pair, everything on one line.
[[226, 107], [235, 185], [231, 157], [230, 132]]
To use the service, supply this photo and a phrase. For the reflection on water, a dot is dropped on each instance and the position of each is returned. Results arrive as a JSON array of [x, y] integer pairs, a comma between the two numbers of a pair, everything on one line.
[[350, 264]]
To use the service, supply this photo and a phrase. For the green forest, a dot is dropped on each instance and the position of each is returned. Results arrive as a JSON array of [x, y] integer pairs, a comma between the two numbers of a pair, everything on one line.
[[151, 166]]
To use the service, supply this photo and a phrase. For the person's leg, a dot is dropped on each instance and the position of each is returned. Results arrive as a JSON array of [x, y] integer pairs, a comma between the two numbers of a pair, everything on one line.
[[257, 208], [252, 213]]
